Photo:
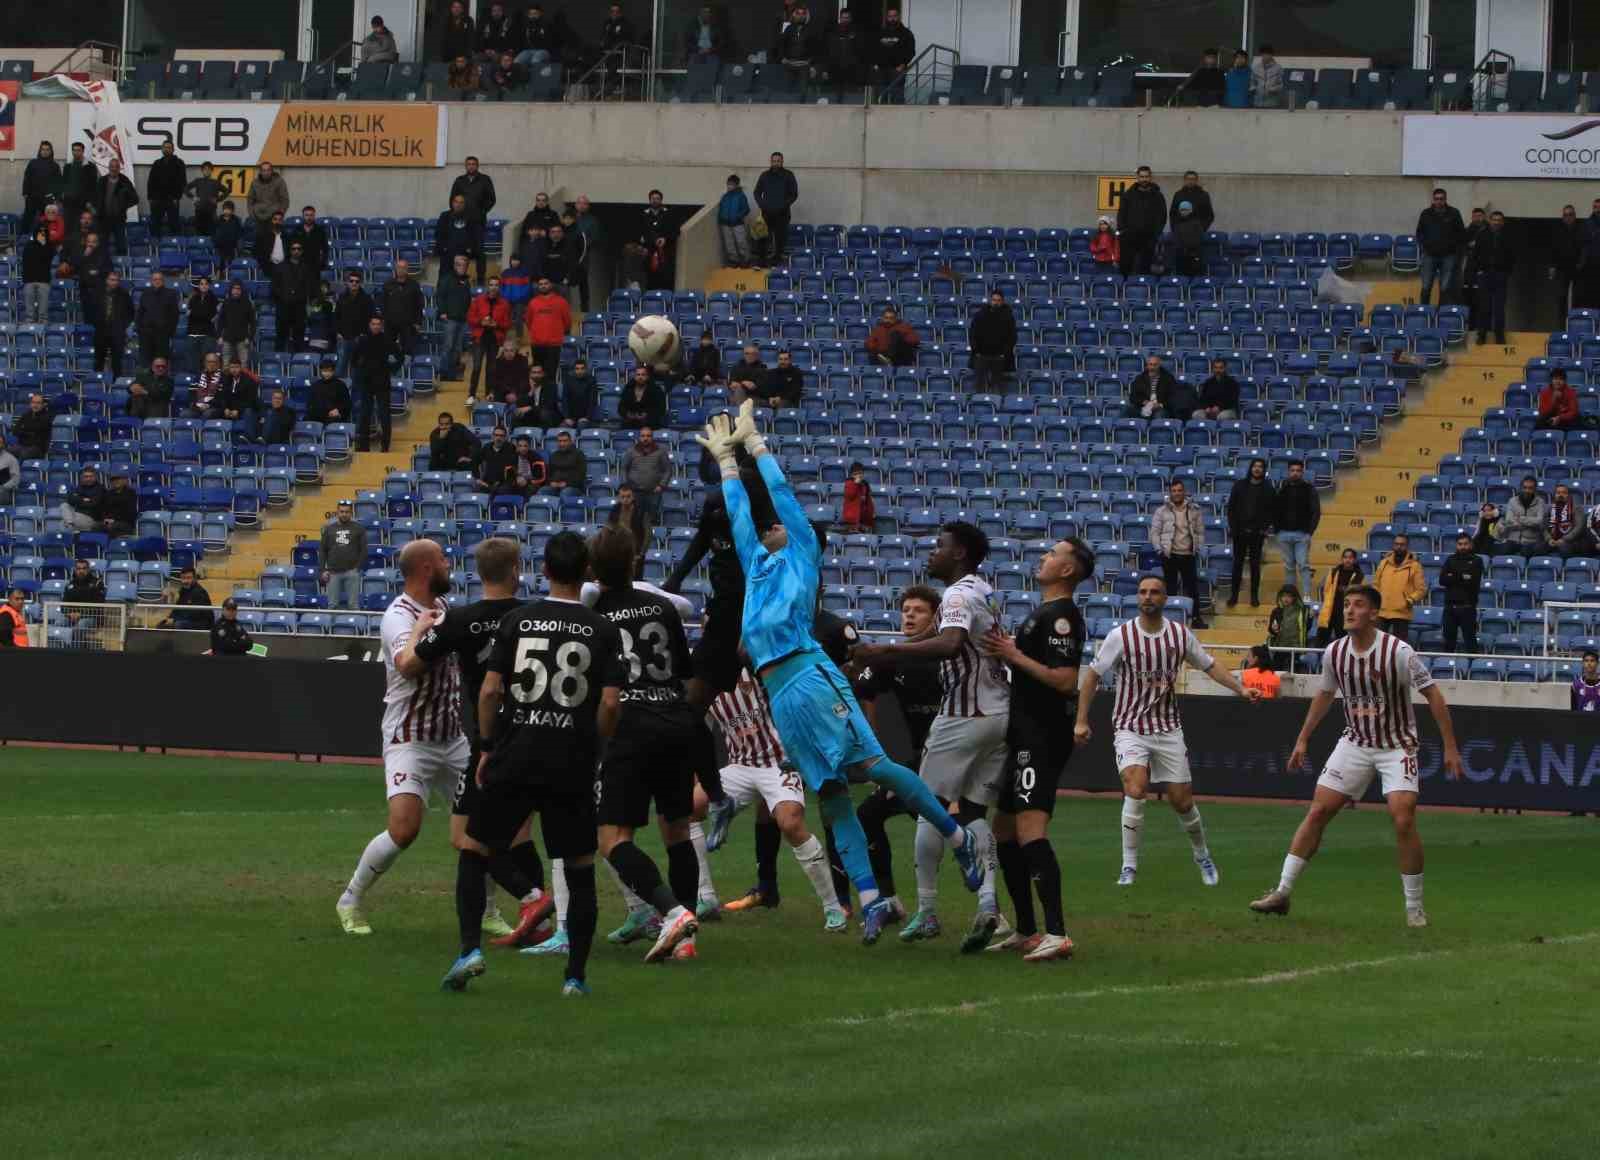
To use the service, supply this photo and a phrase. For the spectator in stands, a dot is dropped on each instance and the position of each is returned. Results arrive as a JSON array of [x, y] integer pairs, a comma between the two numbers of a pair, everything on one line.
[[1182, 401], [1589, 261], [541, 217], [163, 190], [1199, 199], [617, 30], [732, 210], [1342, 576], [1105, 247], [292, 281], [458, 39], [776, 192], [10, 475], [567, 466], [564, 261], [507, 376], [517, 289], [1178, 533], [1497, 258], [1586, 685], [798, 46], [644, 403], [1401, 584], [119, 506], [238, 399], [1289, 625], [342, 554], [1141, 217], [14, 621], [705, 363], [156, 319], [37, 256], [660, 263], [1566, 252], [585, 223], [1252, 505], [496, 468], [489, 320], [1150, 391], [226, 233], [858, 514], [895, 49], [1266, 79], [893, 342], [457, 234], [277, 423], [192, 595], [704, 38], [31, 429], [329, 400], [452, 300], [647, 466], [313, 237], [1205, 86], [206, 385], [270, 248], [1461, 578], [549, 320], [451, 446], [114, 196], [150, 393], [1258, 673], [785, 383], [541, 38], [204, 191], [1236, 82], [269, 194], [630, 513], [476, 189], [464, 76], [113, 317], [351, 313], [992, 334], [89, 262], [1298, 513], [1188, 241], [1558, 404], [844, 53], [55, 226], [1521, 527], [228, 637], [78, 179], [403, 308], [1219, 394], [498, 33], [236, 324], [747, 378], [537, 404], [1441, 236], [531, 469], [377, 356], [580, 395], [201, 312], [1564, 525], [81, 509], [41, 180], [379, 47], [84, 586]]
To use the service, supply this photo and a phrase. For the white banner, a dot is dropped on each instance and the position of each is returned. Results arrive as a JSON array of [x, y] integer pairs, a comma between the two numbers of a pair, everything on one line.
[[225, 135], [99, 123], [1501, 145]]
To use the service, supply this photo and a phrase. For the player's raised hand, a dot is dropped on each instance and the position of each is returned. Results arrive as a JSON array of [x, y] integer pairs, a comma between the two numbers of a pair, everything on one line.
[[1297, 758], [720, 443], [745, 432]]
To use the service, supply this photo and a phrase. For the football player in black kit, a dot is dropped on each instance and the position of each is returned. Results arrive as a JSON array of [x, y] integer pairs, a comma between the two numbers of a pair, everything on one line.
[[563, 669], [657, 750], [1044, 658], [470, 634], [919, 692]]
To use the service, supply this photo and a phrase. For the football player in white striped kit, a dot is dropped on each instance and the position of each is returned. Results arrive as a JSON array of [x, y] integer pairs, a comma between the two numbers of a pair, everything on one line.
[[1145, 656], [424, 747], [1376, 673]]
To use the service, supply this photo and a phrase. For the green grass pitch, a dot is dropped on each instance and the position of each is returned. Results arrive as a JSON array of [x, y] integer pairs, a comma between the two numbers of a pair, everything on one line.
[[178, 986]]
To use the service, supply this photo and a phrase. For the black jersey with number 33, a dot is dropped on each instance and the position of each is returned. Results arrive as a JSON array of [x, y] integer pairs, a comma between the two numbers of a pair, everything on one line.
[[1054, 637], [469, 633], [654, 649], [557, 657]]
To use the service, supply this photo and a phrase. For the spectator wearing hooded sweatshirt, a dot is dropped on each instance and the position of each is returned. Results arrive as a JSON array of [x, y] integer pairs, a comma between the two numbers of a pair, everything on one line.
[[732, 210], [41, 180], [894, 48], [1236, 82], [1141, 216], [1188, 238]]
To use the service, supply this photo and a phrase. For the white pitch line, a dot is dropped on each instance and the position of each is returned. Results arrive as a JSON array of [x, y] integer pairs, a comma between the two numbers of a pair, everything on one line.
[[1267, 979], [131, 815]]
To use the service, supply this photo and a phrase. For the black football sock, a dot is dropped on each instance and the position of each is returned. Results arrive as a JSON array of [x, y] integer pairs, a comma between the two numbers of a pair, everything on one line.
[[768, 839], [707, 771], [683, 872], [873, 813], [583, 910], [1015, 869], [517, 870], [1046, 874], [841, 880], [969, 812], [472, 893], [636, 869]]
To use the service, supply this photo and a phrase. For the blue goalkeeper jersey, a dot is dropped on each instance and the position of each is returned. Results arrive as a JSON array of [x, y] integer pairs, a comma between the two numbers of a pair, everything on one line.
[[780, 588]]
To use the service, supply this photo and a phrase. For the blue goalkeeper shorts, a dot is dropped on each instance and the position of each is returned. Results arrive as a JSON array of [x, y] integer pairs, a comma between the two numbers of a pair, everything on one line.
[[823, 730]]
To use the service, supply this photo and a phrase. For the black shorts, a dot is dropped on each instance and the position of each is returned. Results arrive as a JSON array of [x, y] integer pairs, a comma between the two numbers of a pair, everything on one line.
[[716, 654], [1035, 762], [464, 797], [885, 803], [566, 817], [649, 760]]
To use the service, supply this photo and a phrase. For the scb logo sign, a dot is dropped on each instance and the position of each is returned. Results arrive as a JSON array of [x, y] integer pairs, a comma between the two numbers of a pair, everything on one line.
[[210, 136]]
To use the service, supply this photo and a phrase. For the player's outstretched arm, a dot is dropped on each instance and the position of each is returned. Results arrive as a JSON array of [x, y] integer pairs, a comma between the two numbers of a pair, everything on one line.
[[1447, 730], [1315, 712], [997, 643], [721, 443], [407, 662], [1228, 681]]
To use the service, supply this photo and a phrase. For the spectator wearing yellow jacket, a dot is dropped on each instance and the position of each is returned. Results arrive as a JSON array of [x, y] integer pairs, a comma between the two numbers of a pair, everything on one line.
[[1401, 584]]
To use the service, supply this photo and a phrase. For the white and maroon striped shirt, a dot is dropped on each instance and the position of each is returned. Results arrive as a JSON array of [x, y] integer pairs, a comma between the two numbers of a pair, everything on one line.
[[429, 707], [748, 732], [974, 685], [1146, 668], [1376, 686]]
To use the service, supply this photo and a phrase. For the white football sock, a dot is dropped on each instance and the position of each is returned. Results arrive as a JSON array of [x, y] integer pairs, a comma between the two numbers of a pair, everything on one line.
[[490, 906], [375, 859], [1412, 885], [697, 836], [813, 860], [981, 834], [1292, 865], [558, 886], [1132, 827], [632, 900], [929, 852], [1196, 829]]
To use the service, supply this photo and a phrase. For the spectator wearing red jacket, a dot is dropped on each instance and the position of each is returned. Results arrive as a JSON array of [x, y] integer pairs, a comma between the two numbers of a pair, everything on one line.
[[549, 323], [1104, 247], [892, 342], [859, 514], [1558, 404], [489, 319]]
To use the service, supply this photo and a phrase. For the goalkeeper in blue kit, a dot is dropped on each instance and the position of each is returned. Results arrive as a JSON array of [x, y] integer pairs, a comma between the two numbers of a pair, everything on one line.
[[824, 732]]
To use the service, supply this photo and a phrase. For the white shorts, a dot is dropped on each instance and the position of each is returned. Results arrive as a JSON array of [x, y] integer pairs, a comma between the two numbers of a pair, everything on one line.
[[1164, 754], [746, 784], [424, 767], [965, 757], [1350, 768]]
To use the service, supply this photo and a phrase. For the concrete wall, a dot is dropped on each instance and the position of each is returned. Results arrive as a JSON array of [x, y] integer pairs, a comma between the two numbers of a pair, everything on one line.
[[943, 166]]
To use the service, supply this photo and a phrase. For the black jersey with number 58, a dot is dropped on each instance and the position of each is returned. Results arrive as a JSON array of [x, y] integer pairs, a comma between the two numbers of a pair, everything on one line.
[[654, 649], [556, 657]]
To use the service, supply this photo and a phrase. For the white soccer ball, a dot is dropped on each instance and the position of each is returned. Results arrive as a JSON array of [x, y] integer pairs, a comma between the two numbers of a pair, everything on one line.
[[654, 341]]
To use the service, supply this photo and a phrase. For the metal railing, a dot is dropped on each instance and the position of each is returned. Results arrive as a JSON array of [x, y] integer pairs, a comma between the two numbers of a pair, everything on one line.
[[1489, 79], [111, 53], [926, 78], [85, 627], [624, 73]]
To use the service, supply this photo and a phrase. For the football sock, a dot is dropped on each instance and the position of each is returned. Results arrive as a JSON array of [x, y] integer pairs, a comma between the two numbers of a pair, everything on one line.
[[375, 859], [838, 809], [707, 772], [1046, 874], [583, 911], [1132, 824], [815, 864], [640, 875], [841, 880], [525, 856], [979, 829], [1014, 868], [1292, 865], [683, 873], [471, 889], [697, 839], [1412, 885], [1196, 829], [631, 900], [768, 839], [563, 892], [508, 872], [930, 850], [873, 813], [912, 790]]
